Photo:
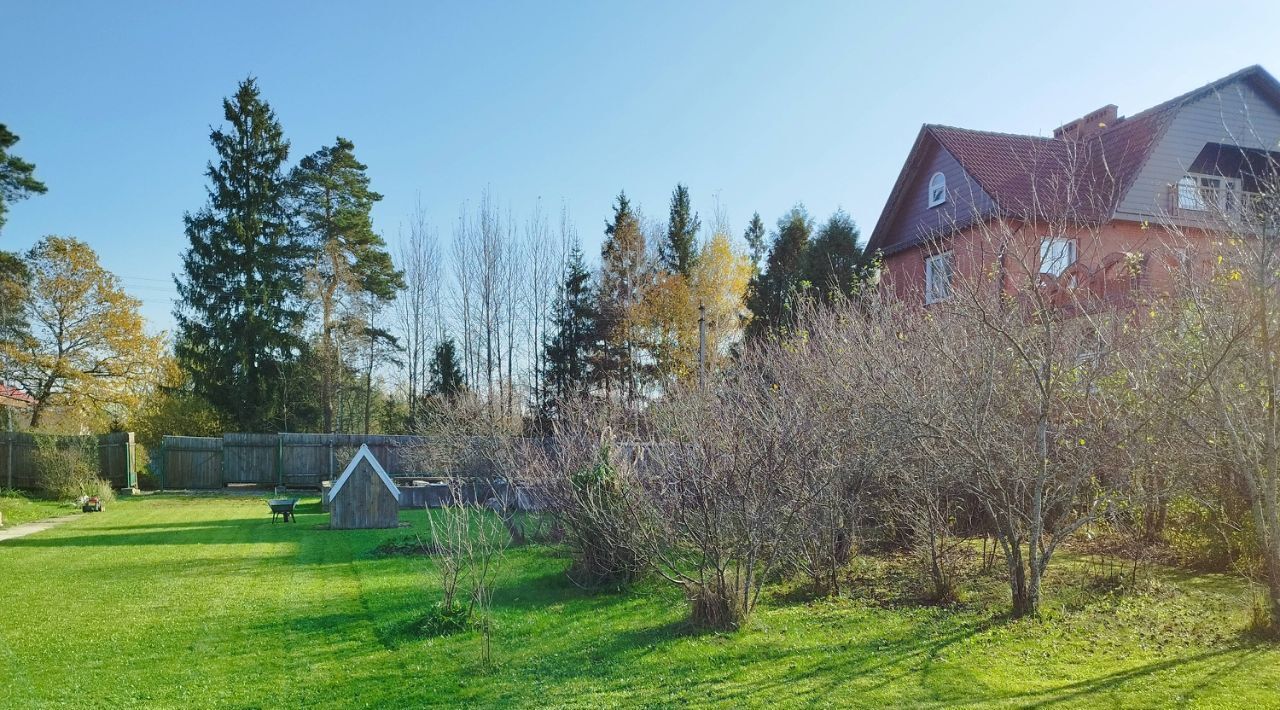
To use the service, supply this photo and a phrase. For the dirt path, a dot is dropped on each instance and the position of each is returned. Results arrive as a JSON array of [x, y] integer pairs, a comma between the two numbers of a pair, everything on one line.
[[26, 529]]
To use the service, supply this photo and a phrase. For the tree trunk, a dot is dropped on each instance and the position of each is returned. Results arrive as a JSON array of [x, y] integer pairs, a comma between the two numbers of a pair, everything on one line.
[[1022, 604], [1273, 589]]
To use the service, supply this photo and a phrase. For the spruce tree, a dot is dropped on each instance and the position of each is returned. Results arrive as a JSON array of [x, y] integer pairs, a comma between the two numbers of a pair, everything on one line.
[[755, 239], [240, 313], [835, 264], [571, 342], [678, 252], [333, 203], [446, 372], [17, 176], [622, 286], [773, 294]]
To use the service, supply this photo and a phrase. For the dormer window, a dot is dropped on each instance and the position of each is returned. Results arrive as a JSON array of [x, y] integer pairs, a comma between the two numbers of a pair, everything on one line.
[[1204, 193], [937, 189]]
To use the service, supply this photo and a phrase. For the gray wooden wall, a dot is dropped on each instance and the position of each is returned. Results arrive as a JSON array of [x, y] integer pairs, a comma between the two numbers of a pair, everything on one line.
[[115, 457], [304, 460]]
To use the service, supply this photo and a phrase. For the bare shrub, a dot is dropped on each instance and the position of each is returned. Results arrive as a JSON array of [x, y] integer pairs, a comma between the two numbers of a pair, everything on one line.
[[579, 477], [726, 491], [468, 542]]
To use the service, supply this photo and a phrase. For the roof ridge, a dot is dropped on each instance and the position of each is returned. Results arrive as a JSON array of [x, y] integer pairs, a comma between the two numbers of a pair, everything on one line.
[[1002, 134], [1195, 93]]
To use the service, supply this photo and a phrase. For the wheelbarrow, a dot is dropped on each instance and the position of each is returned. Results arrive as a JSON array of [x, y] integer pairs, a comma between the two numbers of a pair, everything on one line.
[[282, 506]]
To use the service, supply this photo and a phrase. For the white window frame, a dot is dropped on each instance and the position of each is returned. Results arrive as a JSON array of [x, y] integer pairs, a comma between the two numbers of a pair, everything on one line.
[[1055, 264], [937, 189], [1201, 192], [934, 268]]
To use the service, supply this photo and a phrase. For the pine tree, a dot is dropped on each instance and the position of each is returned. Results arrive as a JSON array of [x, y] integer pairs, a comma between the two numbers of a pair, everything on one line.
[[333, 201], [17, 176], [569, 347], [622, 286], [835, 264], [773, 293], [755, 239], [678, 251], [241, 313]]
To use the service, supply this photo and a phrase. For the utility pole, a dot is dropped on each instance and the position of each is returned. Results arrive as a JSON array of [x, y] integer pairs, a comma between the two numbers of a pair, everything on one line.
[[702, 344]]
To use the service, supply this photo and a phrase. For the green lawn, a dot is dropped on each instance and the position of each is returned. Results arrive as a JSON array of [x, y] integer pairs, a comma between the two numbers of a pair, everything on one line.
[[17, 508], [167, 601]]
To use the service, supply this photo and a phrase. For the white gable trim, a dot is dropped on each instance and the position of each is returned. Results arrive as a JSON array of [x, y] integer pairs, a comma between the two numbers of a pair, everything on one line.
[[367, 455]]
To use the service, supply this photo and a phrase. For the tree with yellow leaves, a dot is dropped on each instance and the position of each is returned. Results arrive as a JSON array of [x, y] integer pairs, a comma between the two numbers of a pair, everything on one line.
[[718, 282], [84, 349]]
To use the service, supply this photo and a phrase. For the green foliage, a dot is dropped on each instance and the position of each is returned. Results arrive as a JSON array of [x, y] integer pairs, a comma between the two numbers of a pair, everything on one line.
[[241, 310], [67, 468], [330, 191], [595, 527], [15, 288], [617, 363], [442, 619], [174, 412], [773, 294], [1219, 538], [571, 338], [678, 252], [289, 611], [835, 264], [17, 176], [447, 380], [755, 238], [17, 507]]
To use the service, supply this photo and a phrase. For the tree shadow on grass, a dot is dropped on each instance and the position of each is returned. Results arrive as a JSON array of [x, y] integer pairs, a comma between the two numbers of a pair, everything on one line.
[[1089, 688]]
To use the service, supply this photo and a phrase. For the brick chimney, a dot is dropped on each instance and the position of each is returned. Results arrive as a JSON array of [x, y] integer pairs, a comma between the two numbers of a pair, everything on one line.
[[1089, 124]]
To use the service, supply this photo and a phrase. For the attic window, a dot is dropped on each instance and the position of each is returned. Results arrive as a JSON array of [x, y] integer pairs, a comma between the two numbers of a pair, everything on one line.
[[937, 189]]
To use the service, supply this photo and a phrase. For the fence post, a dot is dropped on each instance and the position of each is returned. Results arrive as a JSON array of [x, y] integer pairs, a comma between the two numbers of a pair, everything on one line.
[[8, 436], [279, 459], [130, 463], [163, 455]]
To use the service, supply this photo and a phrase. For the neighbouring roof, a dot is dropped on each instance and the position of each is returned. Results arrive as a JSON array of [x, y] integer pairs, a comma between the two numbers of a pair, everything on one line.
[[364, 454], [1045, 176], [15, 395]]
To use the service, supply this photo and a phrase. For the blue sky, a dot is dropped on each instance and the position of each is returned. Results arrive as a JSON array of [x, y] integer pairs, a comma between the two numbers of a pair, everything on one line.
[[759, 104]]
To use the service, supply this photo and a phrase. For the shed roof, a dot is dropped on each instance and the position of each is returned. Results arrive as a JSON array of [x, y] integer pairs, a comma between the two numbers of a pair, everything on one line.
[[364, 454]]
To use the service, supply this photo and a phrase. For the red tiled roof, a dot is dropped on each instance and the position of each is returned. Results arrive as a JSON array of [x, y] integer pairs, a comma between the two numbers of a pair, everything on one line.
[[1054, 178], [8, 392]]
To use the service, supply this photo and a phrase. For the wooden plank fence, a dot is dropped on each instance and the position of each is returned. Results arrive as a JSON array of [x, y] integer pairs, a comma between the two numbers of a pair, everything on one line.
[[116, 456], [300, 460], [189, 462]]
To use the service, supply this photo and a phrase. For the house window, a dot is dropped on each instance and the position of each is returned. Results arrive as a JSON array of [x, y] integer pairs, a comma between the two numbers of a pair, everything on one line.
[[1202, 193], [1056, 254], [938, 271], [937, 189]]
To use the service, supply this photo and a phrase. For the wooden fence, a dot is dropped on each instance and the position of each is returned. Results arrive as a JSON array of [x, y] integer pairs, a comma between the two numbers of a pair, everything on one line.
[[296, 460], [116, 456]]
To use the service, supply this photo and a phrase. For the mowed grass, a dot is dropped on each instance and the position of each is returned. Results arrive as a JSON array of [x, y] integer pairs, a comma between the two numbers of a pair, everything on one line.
[[17, 508], [170, 601]]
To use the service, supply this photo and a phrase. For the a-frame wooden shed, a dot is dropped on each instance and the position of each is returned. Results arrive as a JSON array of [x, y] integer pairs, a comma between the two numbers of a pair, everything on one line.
[[364, 496]]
